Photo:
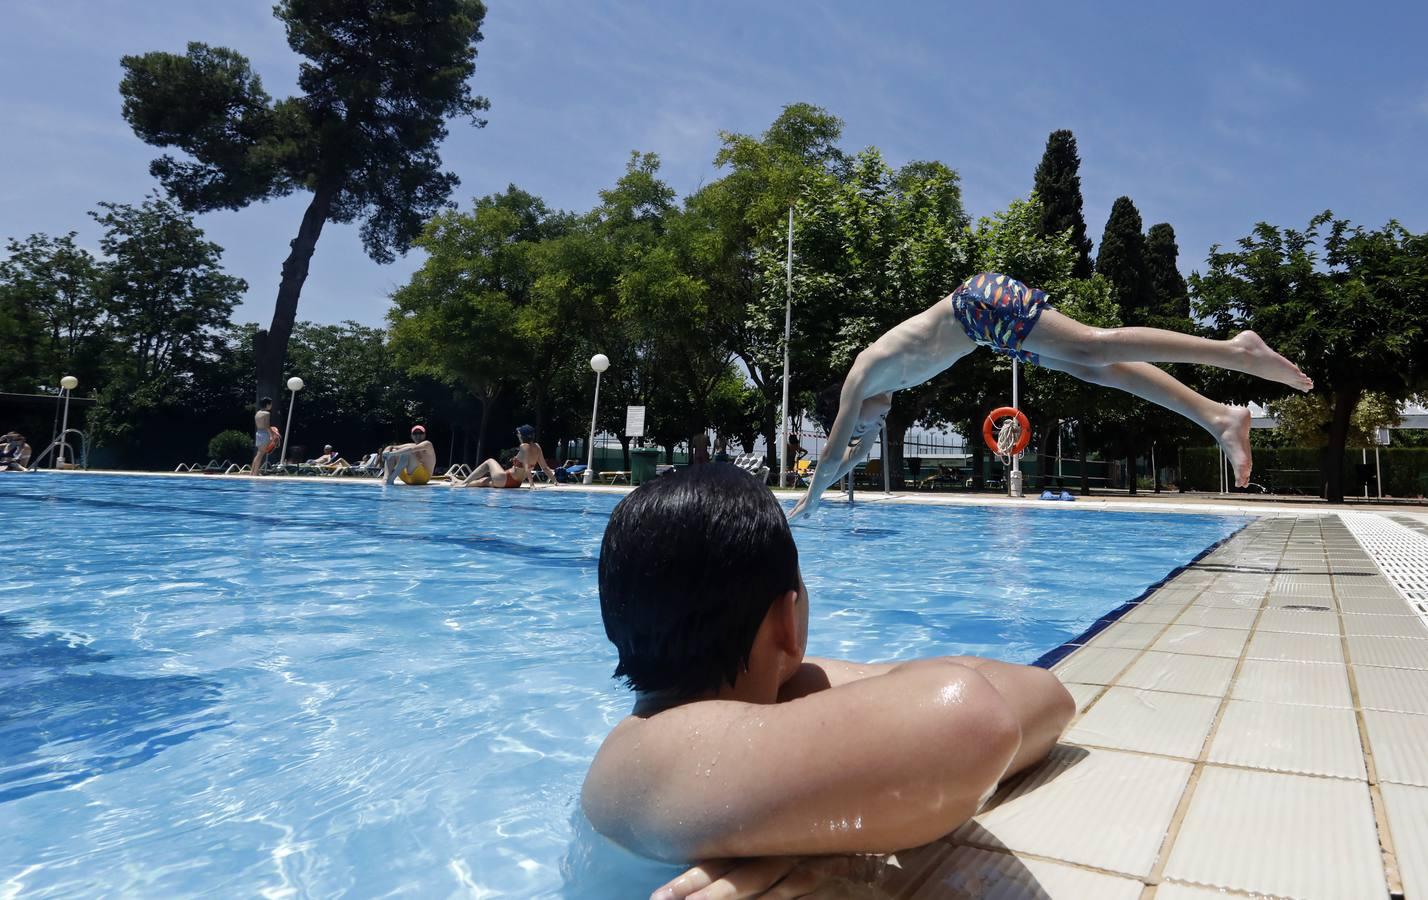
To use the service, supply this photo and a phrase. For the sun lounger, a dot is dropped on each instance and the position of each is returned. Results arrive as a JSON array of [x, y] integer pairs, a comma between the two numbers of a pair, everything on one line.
[[754, 465], [615, 477]]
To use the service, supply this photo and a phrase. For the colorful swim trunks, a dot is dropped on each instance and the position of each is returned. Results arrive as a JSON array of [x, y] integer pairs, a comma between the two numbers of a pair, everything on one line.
[[999, 312]]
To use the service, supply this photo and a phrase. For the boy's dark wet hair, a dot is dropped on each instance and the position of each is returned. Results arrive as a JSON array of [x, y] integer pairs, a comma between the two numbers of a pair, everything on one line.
[[266, 401], [825, 405], [689, 567]]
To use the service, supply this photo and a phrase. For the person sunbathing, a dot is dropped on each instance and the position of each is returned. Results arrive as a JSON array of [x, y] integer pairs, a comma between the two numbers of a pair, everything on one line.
[[528, 458], [739, 748], [999, 312], [14, 453]]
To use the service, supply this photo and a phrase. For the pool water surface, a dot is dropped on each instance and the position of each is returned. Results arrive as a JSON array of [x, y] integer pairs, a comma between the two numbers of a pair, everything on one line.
[[298, 689]]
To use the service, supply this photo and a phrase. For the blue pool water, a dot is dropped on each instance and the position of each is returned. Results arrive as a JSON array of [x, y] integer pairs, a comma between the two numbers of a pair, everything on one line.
[[286, 689]]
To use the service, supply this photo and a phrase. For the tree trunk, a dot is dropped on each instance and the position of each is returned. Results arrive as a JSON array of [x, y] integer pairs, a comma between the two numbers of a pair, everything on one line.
[[1130, 473], [979, 480], [771, 436], [625, 450], [1344, 403], [486, 400], [1043, 453], [270, 348]]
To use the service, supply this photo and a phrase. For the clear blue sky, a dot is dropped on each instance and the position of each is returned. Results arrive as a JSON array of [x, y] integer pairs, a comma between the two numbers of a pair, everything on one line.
[[1211, 116]]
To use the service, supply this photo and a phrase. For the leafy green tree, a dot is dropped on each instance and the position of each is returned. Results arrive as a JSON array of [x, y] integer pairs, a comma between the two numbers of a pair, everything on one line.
[[52, 313], [378, 82], [456, 320], [741, 258], [165, 290], [1350, 307], [1058, 185], [1121, 261], [1304, 420]]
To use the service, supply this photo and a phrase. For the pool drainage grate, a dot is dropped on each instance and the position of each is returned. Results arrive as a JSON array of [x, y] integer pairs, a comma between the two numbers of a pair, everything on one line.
[[1401, 552]]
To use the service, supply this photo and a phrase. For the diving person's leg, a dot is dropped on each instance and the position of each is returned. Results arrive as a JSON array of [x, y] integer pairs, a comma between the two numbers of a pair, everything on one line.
[[1229, 425], [1062, 337]]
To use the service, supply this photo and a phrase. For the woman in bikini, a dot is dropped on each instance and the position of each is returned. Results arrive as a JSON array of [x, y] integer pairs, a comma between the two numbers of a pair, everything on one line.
[[529, 457]]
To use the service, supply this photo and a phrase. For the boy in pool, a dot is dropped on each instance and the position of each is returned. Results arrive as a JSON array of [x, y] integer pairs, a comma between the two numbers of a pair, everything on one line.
[[738, 746], [1002, 313]]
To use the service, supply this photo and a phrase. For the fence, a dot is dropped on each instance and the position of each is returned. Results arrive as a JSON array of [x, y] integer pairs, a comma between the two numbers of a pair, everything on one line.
[[1297, 470]]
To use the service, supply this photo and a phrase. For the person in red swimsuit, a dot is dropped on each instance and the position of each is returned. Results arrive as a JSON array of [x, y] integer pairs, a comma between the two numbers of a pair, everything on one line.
[[529, 457]]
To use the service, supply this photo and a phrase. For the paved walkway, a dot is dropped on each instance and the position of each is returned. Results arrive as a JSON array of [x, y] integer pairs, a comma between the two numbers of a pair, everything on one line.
[[1258, 725]]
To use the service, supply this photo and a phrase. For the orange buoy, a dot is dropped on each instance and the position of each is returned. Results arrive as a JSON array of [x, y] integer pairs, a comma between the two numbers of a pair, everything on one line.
[[989, 429]]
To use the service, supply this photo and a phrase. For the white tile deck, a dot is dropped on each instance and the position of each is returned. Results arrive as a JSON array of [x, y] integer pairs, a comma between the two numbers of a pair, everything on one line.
[[1312, 740], [1407, 809], [1286, 835], [1223, 744], [1121, 804]]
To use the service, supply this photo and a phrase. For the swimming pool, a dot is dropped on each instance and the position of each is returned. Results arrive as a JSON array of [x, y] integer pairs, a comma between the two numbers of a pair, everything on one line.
[[296, 689]]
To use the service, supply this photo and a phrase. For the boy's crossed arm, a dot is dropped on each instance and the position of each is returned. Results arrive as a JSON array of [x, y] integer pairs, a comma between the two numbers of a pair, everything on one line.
[[884, 758]]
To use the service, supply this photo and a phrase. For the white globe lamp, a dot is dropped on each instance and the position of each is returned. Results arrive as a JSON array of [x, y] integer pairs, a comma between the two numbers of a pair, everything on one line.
[[599, 363], [294, 384]]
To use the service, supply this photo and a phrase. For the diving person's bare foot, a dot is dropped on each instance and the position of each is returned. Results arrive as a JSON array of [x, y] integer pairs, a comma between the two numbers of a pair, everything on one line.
[[1233, 435], [1260, 360]]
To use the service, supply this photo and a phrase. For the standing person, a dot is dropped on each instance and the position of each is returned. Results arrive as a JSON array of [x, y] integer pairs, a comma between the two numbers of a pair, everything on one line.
[[528, 458], [413, 462], [1002, 313], [699, 449], [265, 435], [721, 449]]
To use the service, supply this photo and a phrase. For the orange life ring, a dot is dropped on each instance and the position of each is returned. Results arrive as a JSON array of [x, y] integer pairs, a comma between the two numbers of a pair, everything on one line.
[[989, 428], [273, 435]]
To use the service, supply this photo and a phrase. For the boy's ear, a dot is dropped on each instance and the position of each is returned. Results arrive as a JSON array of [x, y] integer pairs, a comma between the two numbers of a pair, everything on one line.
[[786, 623]]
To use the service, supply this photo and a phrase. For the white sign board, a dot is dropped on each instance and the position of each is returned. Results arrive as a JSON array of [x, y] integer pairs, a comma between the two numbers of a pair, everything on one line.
[[1381, 436], [634, 421]]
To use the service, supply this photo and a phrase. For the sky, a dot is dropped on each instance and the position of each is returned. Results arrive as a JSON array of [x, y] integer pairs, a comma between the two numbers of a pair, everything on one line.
[[1210, 116]]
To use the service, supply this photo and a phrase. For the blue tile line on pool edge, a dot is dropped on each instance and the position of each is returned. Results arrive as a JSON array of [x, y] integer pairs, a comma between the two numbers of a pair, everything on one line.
[[1056, 654]]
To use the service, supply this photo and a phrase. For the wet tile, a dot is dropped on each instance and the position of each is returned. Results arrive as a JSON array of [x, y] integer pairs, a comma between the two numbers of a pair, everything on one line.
[[1287, 835], [1298, 621], [1385, 606], [1312, 740], [1320, 648], [1218, 617], [1385, 626], [1180, 673], [970, 873], [1091, 665], [1395, 690], [1231, 601], [1127, 635], [1153, 613], [1399, 743], [1201, 640], [1399, 653], [1147, 721], [1121, 803], [1407, 809], [1304, 684]]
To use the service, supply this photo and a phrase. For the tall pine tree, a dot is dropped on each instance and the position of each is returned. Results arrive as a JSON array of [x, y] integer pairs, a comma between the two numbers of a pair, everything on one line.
[[1058, 187], [1121, 260], [1169, 296]]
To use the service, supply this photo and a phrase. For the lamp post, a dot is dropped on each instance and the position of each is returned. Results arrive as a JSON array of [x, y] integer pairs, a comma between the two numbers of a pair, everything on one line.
[[294, 385], [67, 384], [599, 363], [782, 454]]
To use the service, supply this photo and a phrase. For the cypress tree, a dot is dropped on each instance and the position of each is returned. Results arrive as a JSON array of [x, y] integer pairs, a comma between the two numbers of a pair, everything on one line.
[[1058, 186], [1170, 297], [1121, 260]]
